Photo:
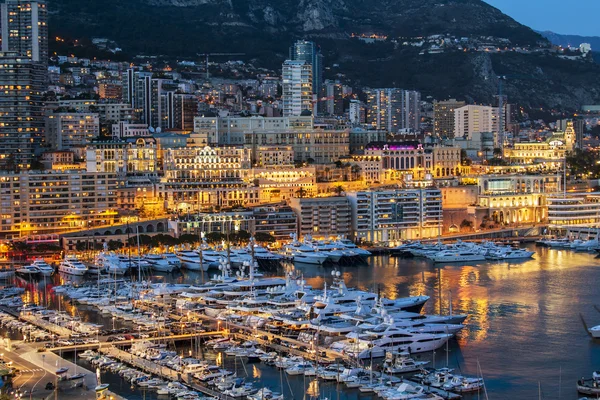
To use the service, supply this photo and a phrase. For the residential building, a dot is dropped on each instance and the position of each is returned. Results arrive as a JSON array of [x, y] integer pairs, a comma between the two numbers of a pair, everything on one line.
[[394, 215], [36, 203], [275, 156], [331, 100], [67, 130], [323, 216], [443, 117], [472, 119], [309, 52], [24, 29], [297, 88], [279, 221], [356, 112], [578, 209], [446, 161], [394, 109], [360, 138], [126, 129], [110, 91], [21, 109]]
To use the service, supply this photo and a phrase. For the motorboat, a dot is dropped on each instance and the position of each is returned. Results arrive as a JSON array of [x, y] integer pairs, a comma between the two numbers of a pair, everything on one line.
[[402, 363], [304, 254], [191, 260], [462, 384], [451, 256], [72, 266], [595, 331], [44, 268], [350, 245], [28, 270], [159, 263], [509, 254]]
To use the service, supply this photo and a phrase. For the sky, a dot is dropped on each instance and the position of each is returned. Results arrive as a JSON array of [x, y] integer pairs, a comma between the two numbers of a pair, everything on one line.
[[572, 17]]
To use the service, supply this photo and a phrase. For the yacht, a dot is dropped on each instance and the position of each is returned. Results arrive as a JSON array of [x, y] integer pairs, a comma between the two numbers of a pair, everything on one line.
[[450, 256], [72, 266], [348, 244], [172, 259], [402, 363], [260, 253], [112, 263], [28, 270], [44, 268], [595, 331], [191, 260], [304, 254], [509, 254], [159, 263]]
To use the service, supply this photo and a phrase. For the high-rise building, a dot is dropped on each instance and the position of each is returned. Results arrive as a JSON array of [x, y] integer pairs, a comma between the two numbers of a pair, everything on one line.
[[394, 109], [181, 111], [472, 119], [24, 28], [443, 117], [297, 88], [21, 109], [67, 130], [332, 98], [309, 52]]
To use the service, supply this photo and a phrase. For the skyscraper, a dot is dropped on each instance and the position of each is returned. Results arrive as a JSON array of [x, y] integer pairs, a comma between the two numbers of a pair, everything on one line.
[[297, 88], [303, 50], [24, 28], [394, 109], [443, 117], [21, 109]]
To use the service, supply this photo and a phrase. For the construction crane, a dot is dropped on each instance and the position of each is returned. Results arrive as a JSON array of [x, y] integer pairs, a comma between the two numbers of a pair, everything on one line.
[[207, 55]]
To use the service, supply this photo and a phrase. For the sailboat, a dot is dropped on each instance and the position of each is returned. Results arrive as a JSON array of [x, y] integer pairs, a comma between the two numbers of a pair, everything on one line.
[[76, 375]]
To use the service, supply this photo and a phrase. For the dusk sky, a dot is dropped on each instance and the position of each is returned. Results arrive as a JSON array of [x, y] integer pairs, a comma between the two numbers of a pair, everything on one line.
[[575, 17]]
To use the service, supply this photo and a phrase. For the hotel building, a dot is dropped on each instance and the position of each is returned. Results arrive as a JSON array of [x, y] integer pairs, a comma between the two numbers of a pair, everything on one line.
[[393, 215]]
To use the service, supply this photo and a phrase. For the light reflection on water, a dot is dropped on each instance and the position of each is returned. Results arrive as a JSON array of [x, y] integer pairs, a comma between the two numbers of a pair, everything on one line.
[[523, 324]]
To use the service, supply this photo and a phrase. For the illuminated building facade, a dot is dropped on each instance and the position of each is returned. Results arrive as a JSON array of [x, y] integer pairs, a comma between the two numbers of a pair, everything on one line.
[[394, 109], [56, 201], [552, 150], [574, 210], [21, 109], [471, 119], [323, 216], [443, 117], [133, 156], [393, 215], [67, 130], [24, 29], [514, 199], [309, 52], [297, 88]]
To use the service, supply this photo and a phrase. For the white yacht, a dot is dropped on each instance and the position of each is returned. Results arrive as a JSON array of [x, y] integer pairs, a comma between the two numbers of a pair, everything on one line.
[[304, 254], [28, 270], [44, 268], [450, 256], [172, 259], [72, 266], [191, 260], [260, 253], [112, 263], [159, 263], [348, 244], [509, 254]]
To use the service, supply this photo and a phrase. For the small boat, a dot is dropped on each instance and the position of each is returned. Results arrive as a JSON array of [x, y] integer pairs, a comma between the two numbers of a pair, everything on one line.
[[61, 370], [101, 388], [80, 375], [595, 331], [28, 270]]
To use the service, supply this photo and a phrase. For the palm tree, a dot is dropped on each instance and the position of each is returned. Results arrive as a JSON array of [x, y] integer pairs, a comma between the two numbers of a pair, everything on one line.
[[355, 169], [301, 192], [338, 190]]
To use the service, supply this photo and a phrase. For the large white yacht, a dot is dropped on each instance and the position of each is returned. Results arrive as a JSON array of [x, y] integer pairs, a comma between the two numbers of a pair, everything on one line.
[[348, 244], [450, 256], [44, 268], [72, 266], [159, 263], [191, 260], [304, 254]]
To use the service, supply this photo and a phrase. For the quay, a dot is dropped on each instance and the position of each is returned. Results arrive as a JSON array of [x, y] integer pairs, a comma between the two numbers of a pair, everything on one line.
[[159, 370]]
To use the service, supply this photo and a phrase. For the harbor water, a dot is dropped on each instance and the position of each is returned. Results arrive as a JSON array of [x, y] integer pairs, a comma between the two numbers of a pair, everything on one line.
[[525, 330]]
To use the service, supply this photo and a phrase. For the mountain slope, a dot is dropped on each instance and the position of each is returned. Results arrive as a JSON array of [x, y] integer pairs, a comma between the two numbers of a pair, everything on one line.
[[571, 40], [264, 29]]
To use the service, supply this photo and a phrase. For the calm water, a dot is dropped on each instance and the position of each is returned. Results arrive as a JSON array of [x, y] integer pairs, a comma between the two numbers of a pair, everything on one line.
[[524, 327]]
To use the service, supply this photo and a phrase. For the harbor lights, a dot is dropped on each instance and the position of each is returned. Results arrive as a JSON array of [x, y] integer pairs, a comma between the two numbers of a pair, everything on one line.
[[113, 322]]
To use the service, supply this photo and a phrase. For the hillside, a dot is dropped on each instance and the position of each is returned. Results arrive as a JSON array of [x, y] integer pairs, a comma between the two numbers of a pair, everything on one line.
[[263, 30], [571, 40]]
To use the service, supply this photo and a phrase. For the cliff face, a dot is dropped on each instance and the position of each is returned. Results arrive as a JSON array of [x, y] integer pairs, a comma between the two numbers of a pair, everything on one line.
[[264, 29]]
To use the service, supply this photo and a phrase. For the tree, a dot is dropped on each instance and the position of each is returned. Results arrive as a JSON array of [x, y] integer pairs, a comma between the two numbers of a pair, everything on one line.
[[115, 245], [355, 170], [165, 240], [242, 236], [214, 237], [464, 159], [497, 152], [466, 225], [301, 192], [263, 237], [145, 240], [310, 160], [338, 190], [188, 238]]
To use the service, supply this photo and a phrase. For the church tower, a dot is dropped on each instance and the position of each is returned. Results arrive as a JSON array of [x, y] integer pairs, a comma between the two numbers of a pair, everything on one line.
[[570, 136]]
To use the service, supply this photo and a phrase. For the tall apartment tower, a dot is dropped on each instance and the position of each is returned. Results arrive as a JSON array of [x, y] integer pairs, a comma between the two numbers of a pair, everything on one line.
[[443, 117], [297, 88], [304, 50], [21, 109], [24, 28], [394, 109]]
